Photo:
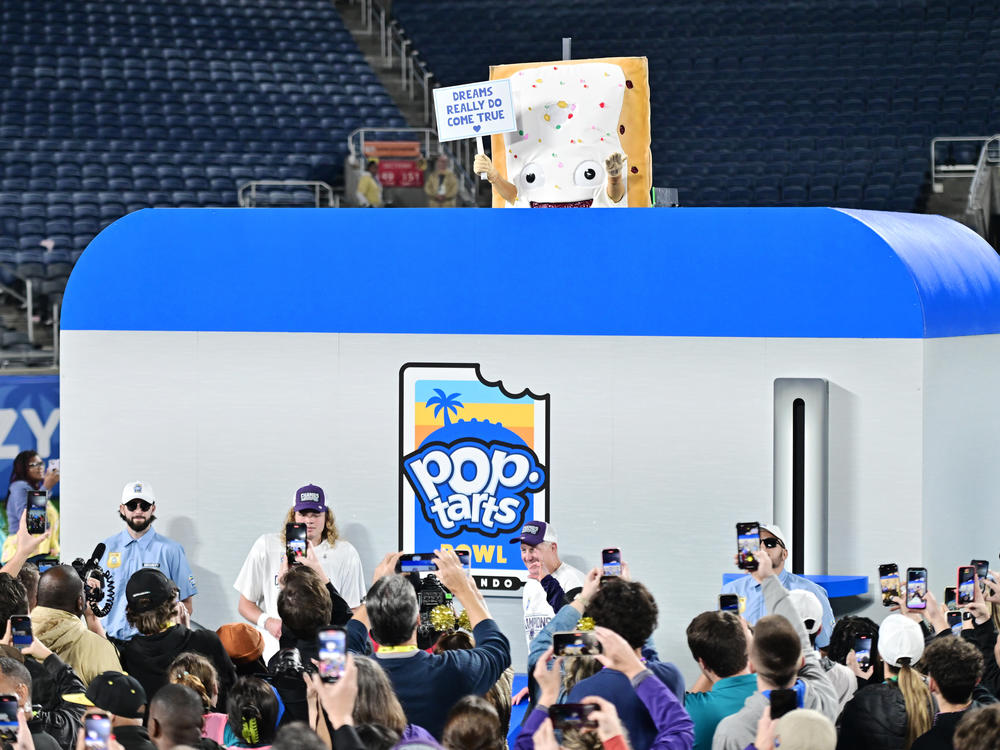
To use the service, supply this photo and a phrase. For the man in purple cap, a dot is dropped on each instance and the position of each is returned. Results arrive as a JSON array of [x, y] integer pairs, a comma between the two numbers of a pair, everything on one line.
[[549, 579], [328, 554]]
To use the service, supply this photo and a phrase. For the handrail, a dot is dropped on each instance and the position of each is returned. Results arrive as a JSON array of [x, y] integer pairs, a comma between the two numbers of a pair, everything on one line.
[[323, 195], [974, 208], [958, 170]]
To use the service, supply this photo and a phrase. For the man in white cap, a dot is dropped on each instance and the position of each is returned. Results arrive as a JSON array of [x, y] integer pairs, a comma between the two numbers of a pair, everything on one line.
[[138, 546], [748, 589], [550, 581], [811, 612]]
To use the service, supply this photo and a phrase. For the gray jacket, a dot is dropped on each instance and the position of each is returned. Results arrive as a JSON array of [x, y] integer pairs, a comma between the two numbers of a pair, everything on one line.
[[738, 730]]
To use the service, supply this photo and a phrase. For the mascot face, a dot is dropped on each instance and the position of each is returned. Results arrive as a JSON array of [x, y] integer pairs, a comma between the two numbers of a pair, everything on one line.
[[568, 124]]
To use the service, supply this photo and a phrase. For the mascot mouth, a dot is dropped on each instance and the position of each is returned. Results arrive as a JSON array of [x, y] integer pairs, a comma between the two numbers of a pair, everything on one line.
[[571, 204]]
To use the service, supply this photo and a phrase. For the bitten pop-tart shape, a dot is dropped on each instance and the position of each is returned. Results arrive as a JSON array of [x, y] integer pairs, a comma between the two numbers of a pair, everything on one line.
[[573, 117]]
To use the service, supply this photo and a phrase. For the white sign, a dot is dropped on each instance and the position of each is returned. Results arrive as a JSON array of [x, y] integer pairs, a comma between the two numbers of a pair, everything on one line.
[[474, 109]]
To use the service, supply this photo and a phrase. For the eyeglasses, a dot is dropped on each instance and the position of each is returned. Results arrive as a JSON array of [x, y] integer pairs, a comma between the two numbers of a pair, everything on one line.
[[36, 464], [134, 505], [771, 542]]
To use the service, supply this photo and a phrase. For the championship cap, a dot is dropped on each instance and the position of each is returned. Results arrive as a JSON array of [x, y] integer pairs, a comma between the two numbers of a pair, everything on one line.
[[115, 692], [534, 533], [138, 490], [147, 589], [310, 497], [900, 639], [810, 611]]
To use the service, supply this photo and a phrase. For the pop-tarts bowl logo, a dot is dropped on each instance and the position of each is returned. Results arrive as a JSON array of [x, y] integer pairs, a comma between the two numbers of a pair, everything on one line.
[[474, 485]]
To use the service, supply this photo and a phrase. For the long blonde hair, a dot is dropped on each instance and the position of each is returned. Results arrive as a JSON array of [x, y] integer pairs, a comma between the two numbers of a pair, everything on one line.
[[330, 533], [919, 704]]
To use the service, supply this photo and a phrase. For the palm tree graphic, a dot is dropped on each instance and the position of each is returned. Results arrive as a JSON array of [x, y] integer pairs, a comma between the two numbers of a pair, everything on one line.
[[449, 403]]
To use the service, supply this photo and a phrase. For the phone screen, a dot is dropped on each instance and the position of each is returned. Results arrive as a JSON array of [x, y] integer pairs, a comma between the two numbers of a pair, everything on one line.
[[295, 542], [611, 558], [966, 584], [332, 654], [572, 715], [8, 716], [417, 562], [863, 651], [747, 545], [729, 603], [20, 629], [955, 622], [575, 643], [96, 732], [888, 579], [35, 518], [916, 588], [949, 598]]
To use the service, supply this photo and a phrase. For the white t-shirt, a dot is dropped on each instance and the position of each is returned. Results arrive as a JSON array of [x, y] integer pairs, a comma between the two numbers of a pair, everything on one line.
[[258, 578], [537, 611]]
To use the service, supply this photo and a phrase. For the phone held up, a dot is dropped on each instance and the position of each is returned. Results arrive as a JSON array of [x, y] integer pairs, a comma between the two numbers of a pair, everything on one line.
[[332, 654], [729, 603], [611, 560], [916, 588], [572, 716], [576, 643], [863, 651], [8, 717], [782, 701], [888, 579], [96, 730], [38, 502], [747, 545], [966, 584], [295, 542], [20, 630]]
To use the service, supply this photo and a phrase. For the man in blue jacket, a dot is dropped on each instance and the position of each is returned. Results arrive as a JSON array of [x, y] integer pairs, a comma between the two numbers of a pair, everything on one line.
[[428, 685]]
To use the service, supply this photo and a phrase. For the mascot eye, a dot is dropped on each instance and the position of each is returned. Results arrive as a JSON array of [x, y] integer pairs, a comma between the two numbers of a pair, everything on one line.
[[533, 175], [588, 174]]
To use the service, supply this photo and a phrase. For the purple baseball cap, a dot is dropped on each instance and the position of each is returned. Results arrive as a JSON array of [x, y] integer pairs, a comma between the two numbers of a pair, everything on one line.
[[534, 533], [310, 497]]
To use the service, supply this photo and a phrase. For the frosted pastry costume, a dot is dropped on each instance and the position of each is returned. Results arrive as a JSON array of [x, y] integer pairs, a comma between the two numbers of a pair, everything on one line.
[[571, 117]]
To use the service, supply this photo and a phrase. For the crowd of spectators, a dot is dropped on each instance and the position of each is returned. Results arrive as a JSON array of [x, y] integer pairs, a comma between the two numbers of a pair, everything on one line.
[[778, 672]]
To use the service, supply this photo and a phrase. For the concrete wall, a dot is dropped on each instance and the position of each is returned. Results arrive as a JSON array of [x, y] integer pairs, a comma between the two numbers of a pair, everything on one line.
[[658, 446]]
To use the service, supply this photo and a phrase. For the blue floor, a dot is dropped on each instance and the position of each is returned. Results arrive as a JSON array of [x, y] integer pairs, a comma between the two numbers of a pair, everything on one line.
[[517, 712]]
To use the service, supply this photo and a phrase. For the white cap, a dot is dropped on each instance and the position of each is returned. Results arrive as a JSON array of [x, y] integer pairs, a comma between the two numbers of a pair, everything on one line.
[[138, 490], [899, 637], [774, 529], [805, 729], [810, 610]]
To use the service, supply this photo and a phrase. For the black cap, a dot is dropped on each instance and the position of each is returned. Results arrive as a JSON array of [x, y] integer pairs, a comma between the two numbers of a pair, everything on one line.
[[115, 692], [147, 589]]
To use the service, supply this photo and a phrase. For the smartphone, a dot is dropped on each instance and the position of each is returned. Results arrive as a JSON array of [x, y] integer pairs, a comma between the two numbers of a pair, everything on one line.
[[966, 584], [8, 716], [729, 603], [888, 578], [576, 643], [572, 715], [332, 654], [916, 588], [955, 622], [983, 571], [38, 502], [783, 701], [611, 558], [423, 562], [20, 629], [863, 650], [295, 542], [949, 598], [53, 464], [96, 731], [747, 545]]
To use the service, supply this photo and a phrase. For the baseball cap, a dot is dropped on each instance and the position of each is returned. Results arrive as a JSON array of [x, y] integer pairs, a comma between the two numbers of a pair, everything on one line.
[[900, 638], [115, 692], [776, 530], [147, 589], [242, 641], [140, 490], [806, 729], [310, 497], [534, 533], [810, 611]]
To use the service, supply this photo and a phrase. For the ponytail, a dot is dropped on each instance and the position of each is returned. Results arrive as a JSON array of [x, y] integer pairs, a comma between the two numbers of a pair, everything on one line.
[[919, 704]]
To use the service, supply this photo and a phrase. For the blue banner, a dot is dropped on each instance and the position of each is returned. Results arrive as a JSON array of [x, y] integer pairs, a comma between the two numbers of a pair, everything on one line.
[[29, 420]]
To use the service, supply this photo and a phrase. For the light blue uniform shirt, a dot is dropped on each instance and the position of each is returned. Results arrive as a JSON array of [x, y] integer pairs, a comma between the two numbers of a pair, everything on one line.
[[125, 555], [752, 600]]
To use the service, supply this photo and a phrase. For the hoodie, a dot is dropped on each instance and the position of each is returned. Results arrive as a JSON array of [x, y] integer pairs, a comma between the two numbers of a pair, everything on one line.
[[147, 657], [66, 636], [737, 731]]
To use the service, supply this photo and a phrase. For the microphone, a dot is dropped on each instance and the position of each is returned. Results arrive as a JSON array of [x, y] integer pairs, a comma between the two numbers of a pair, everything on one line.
[[95, 559]]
